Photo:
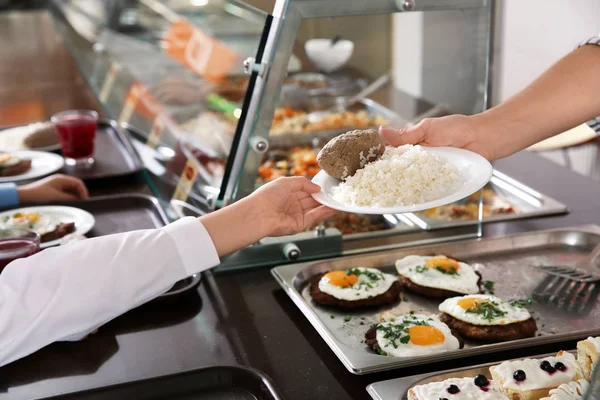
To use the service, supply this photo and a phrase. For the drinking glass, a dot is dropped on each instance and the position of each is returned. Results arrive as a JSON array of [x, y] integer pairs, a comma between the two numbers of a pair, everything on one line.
[[76, 131], [17, 243]]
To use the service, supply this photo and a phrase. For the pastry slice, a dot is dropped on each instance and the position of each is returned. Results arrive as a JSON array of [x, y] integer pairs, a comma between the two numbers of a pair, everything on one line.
[[477, 388], [569, 391], [533, 379], [588, 354]]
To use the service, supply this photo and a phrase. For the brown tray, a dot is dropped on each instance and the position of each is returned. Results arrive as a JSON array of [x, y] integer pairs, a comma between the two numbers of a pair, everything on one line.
[[212, 383], [114, 154], [128, 212]]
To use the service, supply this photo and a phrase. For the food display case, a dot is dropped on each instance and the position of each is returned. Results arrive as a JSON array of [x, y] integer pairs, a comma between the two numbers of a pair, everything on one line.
[[219, 101]]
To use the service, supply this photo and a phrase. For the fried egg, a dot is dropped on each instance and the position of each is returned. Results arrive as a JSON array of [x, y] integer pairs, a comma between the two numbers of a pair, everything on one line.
[[439, 272], [482, 309], [39, 223], [7, 160], [412, 335], [465, 388], [356, 283]]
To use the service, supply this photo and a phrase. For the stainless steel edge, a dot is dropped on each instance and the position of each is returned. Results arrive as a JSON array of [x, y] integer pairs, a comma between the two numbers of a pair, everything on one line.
[[314, 320], [549, 206], [126, 142], [391, 389], [358, 362]]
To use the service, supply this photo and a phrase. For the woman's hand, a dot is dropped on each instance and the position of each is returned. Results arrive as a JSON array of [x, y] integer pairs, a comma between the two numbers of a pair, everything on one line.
[[53, 189], [288, 205], [282, 207], [461, 131]]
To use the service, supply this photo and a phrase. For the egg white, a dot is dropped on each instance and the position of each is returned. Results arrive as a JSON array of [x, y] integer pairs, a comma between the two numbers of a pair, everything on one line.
[[464, 281], [410, 349], [468, 390], [8, 161], [513, 314], [43, 225], [360, 290]]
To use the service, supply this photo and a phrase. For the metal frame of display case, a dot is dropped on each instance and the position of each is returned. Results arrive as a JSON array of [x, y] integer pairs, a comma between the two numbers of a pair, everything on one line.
[[268, 70], [271, 70]]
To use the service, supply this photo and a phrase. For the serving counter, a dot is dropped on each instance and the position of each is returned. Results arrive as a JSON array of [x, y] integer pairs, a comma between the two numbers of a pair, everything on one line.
[[245, 318]]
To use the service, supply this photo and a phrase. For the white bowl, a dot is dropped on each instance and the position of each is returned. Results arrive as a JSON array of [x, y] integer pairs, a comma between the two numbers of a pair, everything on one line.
[[328, 57]]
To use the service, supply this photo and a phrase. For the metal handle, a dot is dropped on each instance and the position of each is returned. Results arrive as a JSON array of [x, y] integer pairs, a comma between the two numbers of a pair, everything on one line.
[[594, 256], [375, 85]]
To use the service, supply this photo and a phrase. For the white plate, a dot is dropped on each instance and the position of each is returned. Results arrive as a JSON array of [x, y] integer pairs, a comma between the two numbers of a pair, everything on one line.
[[42, 164], [84, 221], [476, 170]]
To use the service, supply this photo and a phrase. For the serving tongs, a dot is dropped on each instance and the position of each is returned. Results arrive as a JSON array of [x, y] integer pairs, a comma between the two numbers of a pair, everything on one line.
[[316, 116], [573, 288]]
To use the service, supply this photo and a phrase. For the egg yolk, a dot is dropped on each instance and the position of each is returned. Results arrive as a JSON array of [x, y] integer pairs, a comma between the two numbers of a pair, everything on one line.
[[341, 279], [447, 264], [423, 335], [32, 217], [469, 303]]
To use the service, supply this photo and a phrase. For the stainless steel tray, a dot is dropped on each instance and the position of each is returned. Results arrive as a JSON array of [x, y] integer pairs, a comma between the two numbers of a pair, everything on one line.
[[397, 389], [322, 137], [511, 262], [528, 203]]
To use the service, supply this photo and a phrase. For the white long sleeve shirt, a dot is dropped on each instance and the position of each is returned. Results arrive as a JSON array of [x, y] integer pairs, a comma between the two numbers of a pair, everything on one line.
[[64, 293]]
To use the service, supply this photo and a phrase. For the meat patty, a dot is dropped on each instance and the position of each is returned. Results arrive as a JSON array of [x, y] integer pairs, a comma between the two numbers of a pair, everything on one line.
[[390, 296], [371, 340], [17, 169], [60, 231], [433, 292], [491, 333], [43, 135], [348, 152]]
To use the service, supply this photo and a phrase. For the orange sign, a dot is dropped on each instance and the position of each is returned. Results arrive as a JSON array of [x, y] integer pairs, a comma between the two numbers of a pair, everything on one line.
[[139, 99], [184, 186], [202, 53]]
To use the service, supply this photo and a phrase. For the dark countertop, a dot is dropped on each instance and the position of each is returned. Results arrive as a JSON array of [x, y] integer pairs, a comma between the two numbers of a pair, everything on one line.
[[234, 318], [245, 318]]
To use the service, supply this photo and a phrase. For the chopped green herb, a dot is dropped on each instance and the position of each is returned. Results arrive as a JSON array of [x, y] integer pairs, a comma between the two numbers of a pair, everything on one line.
[[347, 318], [489, 286], [412, 313], [420, 269], [487, 309], [383, 353], [362, 323], [399, 331], [521, 303], [373, 279], [449, 271], [332, 316]]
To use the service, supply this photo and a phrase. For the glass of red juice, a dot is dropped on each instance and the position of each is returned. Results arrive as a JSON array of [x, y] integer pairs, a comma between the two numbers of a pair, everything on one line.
[[17, 243], [76, 131]]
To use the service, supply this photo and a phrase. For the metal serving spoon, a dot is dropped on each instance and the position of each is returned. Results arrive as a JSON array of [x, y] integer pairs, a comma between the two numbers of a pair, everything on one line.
[[316, 116]]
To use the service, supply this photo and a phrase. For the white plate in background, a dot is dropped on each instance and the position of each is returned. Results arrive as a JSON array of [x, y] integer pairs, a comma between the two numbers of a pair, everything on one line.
[[84, 221], [42, 164]]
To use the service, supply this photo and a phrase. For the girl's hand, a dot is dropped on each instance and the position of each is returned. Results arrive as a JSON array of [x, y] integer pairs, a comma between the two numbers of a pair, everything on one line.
[[54, 188], [288, 205], [282, 207]]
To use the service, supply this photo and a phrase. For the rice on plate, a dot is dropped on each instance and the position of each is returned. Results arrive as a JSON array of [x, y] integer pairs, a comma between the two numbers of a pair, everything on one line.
[[403, 176]]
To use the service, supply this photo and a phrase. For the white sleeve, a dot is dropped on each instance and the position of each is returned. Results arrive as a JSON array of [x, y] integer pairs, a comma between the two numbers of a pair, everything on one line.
[[66, 292]]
